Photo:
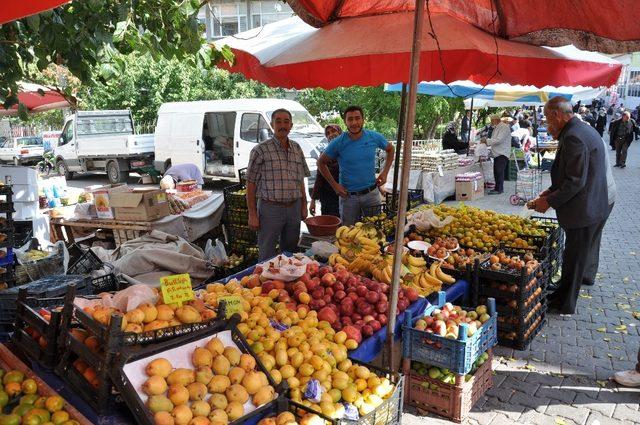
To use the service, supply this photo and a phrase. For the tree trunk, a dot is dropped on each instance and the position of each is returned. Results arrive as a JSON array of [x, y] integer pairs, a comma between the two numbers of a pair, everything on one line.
[[432, 128]]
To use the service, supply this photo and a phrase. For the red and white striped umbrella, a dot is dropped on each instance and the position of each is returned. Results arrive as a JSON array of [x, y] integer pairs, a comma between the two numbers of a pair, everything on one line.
[[373, 50]]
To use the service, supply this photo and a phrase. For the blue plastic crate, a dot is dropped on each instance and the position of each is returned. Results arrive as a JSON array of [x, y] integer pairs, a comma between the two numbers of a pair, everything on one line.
[[457, 355], [7, 259]]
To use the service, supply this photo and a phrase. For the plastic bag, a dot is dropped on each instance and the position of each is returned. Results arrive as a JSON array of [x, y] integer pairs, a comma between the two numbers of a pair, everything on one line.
[[125, 300], [426, 219], [47, 261], [217, 255], [285, 268], [323, 249]]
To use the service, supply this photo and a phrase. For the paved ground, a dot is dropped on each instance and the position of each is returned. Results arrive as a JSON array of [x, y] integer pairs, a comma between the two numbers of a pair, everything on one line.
[[563, 377]]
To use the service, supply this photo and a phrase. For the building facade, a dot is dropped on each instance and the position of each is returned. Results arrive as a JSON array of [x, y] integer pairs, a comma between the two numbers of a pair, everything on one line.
[[628, 88], [223, 18]]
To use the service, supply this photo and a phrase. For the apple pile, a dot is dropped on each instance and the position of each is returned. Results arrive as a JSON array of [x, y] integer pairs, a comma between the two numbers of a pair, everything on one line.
[[445, 375], [352, 303], [446, 321]]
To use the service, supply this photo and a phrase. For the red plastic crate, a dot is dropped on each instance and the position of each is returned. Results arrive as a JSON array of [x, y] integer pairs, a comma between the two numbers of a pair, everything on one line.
[[453, 401]]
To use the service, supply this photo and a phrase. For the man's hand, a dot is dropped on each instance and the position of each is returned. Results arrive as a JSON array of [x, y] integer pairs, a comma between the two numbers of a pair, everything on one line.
[[541, 205], [544, 193], [312, 207], [303, 212], [382, 179], [340, 190], [254, 221]]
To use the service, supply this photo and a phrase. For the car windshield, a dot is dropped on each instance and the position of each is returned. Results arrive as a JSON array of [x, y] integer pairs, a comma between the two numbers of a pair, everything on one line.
[[303, 122], [30, 141], [96, 125]]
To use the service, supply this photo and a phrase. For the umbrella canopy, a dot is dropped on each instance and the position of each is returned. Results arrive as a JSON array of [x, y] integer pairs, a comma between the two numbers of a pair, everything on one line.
[[37, 98], [17, 9], [501, 94], [608, 27], [373, 50]]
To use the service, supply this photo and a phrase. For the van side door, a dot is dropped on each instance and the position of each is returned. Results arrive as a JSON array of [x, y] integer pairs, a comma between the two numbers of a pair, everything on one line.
[[252, 129]]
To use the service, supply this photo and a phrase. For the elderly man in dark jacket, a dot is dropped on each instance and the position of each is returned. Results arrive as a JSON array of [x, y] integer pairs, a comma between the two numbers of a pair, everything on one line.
[[621, 134], [578, 193]]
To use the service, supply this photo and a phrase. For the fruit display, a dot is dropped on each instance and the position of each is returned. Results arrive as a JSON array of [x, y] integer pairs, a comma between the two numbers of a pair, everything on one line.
[[288, 418], [445, 375], [382, 221], [221, 384], [33, 332], [148, 317], [500, 261], [441, 248], [460, 259], [360, 238], [21, 402], [446, 321], [429, 280], [35, 255], [483, 229]]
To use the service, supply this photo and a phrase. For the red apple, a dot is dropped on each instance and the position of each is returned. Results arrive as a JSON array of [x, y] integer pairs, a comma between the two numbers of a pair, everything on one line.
[[372, 297], [312, 269], [355, 317], [324, 270], [313, 284], [339, 295], [328, 279], [342, 276], [268, 286], [353, 296], [317, 293], [376, 325], [329, 291], [339, 286], [361, 290], [327, 298], [368, 318], [367, 331], [346, 310], [382, 318], [353, 333], [381, 307]]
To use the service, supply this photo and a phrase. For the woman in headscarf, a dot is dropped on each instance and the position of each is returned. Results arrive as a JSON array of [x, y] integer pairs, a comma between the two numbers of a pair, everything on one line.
[[450, 139], [601, 121], [322, 190]]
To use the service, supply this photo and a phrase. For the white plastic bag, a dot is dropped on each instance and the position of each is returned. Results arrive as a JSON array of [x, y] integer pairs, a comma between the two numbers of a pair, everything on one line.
[[216, 254], [55, 263], [125, 300], [285, 268], [424, 220]]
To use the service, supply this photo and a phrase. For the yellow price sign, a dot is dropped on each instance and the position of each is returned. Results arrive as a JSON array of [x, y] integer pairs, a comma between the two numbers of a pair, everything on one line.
[[233, 304], [176, 289]]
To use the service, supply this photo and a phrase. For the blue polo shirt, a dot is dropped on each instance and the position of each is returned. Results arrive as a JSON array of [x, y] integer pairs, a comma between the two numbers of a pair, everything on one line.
[[357, 158]]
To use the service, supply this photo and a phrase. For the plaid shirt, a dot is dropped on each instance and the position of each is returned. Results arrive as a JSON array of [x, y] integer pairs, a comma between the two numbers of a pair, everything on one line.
[[277, 173]]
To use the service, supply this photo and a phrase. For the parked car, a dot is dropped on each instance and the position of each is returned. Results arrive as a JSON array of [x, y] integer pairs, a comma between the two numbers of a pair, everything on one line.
[[22, 150], [102, 141], [218, 135]]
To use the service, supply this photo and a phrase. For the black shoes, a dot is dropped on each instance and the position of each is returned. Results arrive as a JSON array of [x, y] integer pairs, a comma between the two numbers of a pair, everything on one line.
[[495, 192], [623, 166], [617, 165]]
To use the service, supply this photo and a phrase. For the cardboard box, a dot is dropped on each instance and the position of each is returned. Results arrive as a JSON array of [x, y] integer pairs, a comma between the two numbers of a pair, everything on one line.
[[140, 204], [469, 190], [102, 198]]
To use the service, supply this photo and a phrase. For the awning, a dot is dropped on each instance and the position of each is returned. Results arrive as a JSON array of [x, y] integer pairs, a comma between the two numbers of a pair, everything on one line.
[[16, 9], [36, 98]]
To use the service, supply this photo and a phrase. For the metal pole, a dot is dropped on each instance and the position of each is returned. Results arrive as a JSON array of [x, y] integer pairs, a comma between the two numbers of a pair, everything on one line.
[[406, 162], [470, 124], [535, 135], [401, 123]]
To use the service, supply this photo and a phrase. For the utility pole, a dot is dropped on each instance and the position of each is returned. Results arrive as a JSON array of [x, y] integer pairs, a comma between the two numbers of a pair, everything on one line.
[[208, 21]]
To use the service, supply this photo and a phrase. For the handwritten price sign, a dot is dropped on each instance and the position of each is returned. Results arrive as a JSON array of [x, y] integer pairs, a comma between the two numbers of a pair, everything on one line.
[[176, 289], [233, 304]]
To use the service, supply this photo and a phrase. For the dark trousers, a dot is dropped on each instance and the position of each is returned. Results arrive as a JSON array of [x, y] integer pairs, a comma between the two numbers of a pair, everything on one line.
[[330, 205], [500, 164], [575, 259], [279, 224], [621, 151], [593, 259]]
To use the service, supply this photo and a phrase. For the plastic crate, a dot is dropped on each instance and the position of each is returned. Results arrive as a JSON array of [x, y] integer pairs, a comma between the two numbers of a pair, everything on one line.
[[240, 235], [87, 262], [452, 401], [6, 207], [129, 393], [234, 200], [31, 327], [106, 283], [414, 199], [8, 257], [508, 276], [521, 340], [457, 355]]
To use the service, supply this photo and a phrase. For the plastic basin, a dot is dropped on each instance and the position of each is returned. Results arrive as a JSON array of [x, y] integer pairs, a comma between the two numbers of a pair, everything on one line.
[[323, 225]]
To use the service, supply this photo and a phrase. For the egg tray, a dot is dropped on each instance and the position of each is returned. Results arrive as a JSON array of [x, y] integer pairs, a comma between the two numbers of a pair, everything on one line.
[[128, 355]]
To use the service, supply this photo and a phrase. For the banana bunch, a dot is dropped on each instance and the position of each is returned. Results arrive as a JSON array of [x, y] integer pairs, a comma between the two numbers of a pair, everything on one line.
[[382, 270], [416, 265], [361, 237], [337, 258], [435, 271]]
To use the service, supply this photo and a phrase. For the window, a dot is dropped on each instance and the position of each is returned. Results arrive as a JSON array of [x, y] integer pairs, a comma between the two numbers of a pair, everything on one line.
[[67, 134], [90, 126], [253, 128], [633, 85], [303, 122], [30, 141]]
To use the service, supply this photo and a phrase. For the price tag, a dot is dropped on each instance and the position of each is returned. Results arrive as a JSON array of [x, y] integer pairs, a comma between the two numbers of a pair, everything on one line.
[[233, 304], [176, 288]]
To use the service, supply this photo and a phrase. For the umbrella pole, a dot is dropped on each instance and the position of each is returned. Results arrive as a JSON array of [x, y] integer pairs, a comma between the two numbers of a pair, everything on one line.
[[406, 162], [401, 123], [470, 124], [535, 135]]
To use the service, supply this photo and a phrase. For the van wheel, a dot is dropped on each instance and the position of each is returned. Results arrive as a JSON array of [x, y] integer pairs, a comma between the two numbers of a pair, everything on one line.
[[115, 174], [63, 170]]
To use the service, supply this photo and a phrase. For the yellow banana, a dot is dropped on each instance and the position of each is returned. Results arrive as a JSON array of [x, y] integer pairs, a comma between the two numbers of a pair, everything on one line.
[[433, 269], [341, 260], [341, 231], [369, 242], [432, 280], [445, 277], [416, 261]]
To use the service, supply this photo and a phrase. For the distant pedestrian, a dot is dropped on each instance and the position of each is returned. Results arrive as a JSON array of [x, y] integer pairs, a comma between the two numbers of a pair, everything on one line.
[[621, 134], [601, 122], [465, 126], [322, 190], [450, 139], [500, 144], [525, 122], [578, 193]]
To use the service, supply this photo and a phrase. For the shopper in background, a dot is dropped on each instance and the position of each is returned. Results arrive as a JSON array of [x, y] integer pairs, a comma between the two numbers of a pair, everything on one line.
[[465, 126], [621, 134], [450, 140], [322, 190], [276, 193], [500, 144], [601, 122], [578, 193], [355, 151], [525, 122]]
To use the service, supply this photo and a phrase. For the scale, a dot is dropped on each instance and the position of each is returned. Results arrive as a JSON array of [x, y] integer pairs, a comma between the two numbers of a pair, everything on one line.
[[306, 239]]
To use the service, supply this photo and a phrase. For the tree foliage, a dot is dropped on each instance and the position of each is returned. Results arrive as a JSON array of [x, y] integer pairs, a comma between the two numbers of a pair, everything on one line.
[[89, 37]]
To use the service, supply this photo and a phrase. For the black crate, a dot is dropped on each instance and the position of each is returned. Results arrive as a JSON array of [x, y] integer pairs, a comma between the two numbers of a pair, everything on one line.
[[522, 340], [6, 207], [85, 263], [236, 216], [106, 283], [23, 232], [8, 240], [414, 199], [235, 200], [129, 393], [240, 235]]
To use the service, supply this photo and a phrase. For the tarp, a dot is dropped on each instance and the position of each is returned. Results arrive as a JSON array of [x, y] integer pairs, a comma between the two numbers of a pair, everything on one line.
[[373, 50], [608, 27], [502, 94], [36, 98], [17, 9]]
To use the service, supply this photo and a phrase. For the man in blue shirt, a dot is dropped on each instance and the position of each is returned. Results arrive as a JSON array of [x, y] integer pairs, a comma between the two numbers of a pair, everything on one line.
[[355, 151]]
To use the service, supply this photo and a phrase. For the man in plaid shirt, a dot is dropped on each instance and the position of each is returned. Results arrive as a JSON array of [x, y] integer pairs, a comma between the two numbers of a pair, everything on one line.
[[276, 195]]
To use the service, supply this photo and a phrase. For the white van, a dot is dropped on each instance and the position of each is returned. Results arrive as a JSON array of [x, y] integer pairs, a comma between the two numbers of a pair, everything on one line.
[[218, 135]]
